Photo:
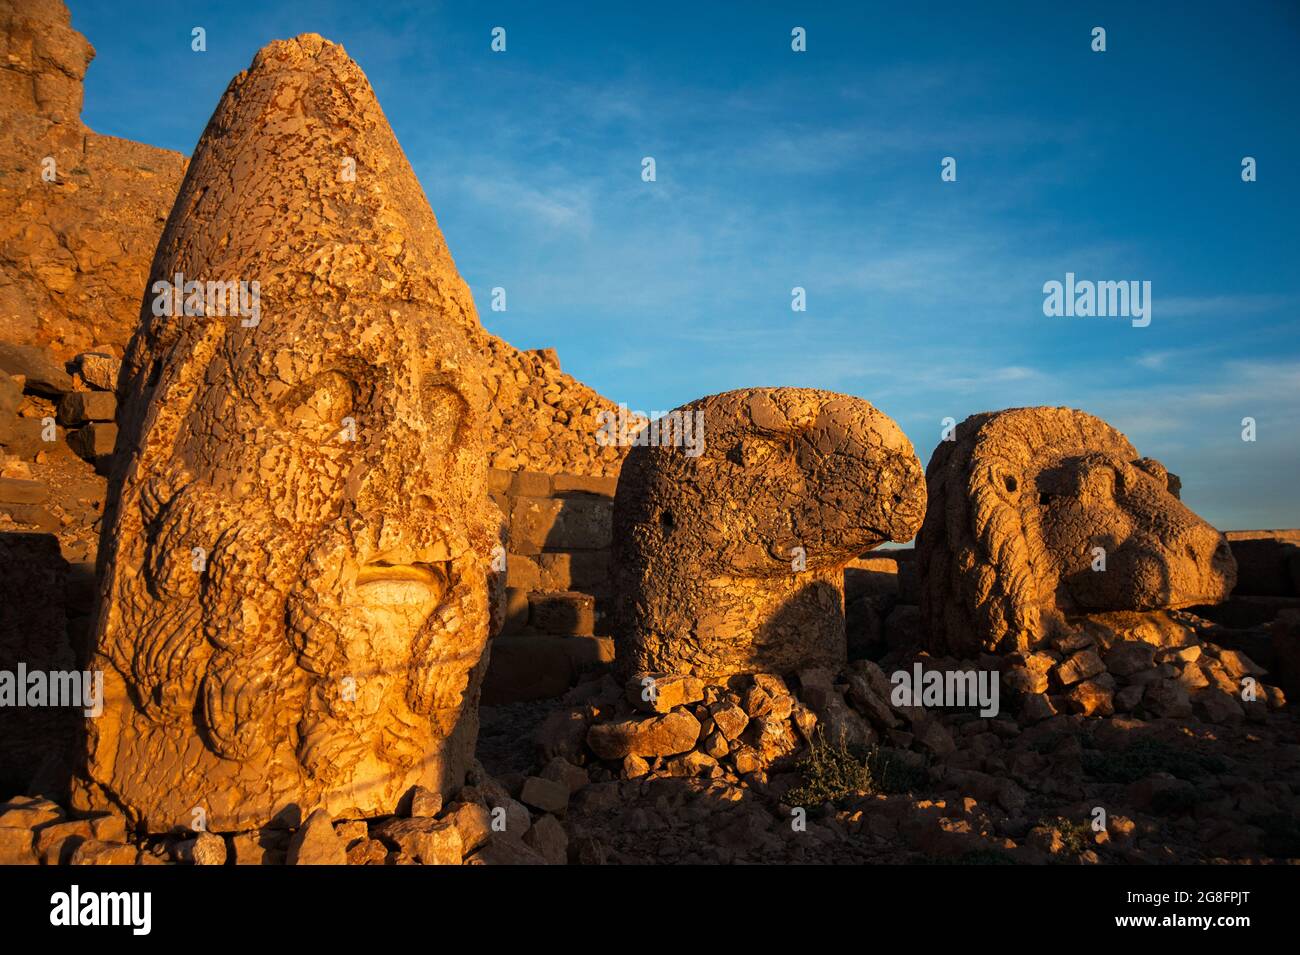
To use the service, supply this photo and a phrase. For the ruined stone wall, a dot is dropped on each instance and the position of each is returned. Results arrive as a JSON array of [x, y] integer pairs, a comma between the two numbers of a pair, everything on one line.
[[542, 419], [558, 533]]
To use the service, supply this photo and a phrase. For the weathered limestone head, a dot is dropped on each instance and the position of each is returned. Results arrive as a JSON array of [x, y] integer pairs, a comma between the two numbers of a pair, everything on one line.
[[730, 560], [1020, 502], [294, 609]]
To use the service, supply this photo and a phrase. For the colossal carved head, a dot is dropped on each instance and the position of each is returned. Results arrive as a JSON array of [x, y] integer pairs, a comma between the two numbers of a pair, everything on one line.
[[1040, 513], [295, 606], [731, 560]]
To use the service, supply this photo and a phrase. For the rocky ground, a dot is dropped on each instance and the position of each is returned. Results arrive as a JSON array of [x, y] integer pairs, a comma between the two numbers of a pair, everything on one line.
[[483, 825], [747, 772], [741, 773], [1126, 741]]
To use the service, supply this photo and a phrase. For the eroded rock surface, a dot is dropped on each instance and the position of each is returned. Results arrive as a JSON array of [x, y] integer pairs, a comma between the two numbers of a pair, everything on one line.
[[1025, 503], [731, 561], [294, 606], [80, 213]]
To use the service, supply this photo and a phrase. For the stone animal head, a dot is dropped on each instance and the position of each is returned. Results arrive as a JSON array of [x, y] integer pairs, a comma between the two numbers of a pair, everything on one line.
[[1040, 513], [295, 605], [721, 555]]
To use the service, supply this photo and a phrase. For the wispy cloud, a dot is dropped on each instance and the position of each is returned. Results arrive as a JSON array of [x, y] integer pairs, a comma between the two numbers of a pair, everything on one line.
[[1227, 305], [567, 205]]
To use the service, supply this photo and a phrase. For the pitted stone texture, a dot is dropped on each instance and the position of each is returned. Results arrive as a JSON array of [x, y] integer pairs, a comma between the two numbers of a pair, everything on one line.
[[706, 548], [1018, 502], [294, 611], [540, 418]]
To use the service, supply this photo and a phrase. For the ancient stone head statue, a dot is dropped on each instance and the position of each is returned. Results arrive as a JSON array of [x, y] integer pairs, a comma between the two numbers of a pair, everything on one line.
[[1036, 514], [294, 608], [730, 559]]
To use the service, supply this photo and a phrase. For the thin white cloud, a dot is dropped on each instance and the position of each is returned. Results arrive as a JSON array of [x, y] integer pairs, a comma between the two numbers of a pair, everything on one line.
[[1228, 305], [564, 205]]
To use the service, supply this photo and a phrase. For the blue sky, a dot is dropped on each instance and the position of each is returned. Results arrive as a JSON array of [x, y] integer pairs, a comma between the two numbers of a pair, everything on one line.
[[821, 169]]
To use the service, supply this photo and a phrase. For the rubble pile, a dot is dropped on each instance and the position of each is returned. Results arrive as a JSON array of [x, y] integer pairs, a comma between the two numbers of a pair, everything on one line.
[[482, 825]]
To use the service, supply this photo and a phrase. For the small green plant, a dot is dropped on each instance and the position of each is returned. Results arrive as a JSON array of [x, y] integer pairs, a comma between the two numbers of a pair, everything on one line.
[[1148, 756], [1076, 837], [829, 772]]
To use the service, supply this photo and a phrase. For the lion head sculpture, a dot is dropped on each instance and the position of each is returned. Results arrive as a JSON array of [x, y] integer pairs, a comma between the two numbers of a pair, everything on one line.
[[1036, 514], [729, 548], [295, 559]]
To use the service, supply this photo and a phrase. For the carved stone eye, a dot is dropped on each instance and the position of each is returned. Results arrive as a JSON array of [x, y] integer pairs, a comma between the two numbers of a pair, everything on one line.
[[1099, 483], [322, 402]]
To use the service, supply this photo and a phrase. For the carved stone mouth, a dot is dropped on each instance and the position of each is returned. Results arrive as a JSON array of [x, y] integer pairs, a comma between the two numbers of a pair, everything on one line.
[[382, 583], [383, 570]]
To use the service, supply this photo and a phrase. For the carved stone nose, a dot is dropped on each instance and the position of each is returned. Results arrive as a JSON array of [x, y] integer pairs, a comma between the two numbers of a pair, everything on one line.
[[1207, 547], [1214, 570]]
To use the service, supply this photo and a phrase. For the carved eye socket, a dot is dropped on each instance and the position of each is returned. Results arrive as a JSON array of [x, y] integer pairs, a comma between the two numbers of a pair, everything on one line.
[[1100, 482], [445, 410], [322, 402]]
